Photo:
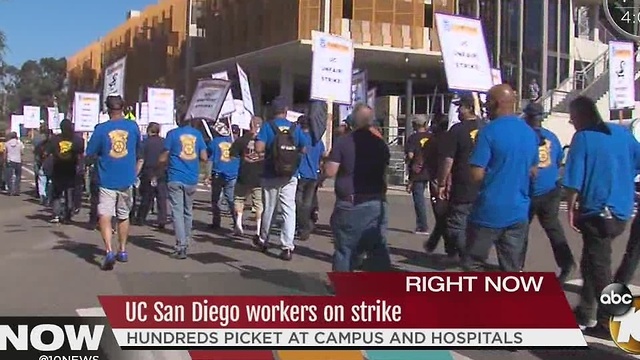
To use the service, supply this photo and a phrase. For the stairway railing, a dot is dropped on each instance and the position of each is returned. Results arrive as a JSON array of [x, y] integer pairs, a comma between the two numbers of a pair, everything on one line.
[[585, 77]]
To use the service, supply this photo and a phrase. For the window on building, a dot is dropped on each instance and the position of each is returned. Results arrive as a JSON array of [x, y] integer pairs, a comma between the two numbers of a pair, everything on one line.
[[347, 9], [509, 32], [553, 26], [488, 13], [467, 8], [565, 25], [428, 15], [552, 72], [563, 72]]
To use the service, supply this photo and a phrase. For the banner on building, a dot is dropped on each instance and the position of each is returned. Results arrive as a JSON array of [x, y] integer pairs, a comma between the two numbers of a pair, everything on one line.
[[114, 78], [464, 52], [161, 104], [208, 98], [245, 89], [359, 93], [332, 68], [86, 111], [622, 91], [53, 118], [229, 106]]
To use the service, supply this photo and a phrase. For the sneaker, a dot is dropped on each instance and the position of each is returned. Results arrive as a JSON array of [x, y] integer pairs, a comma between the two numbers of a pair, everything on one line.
[[429, 246], [55, 220], [122, 256], [238, 230], [109, 261], [565, 273], [584, 323], [261, 245], [286, 255], [179, 255], [421, 232]]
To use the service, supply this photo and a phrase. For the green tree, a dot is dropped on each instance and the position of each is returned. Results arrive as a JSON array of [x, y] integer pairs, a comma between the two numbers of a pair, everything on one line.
[[37, 82]]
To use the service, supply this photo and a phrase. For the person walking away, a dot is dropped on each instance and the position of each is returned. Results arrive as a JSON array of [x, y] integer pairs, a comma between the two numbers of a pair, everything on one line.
[[184, 149], [418, 172], [504, 160], [359, 162], [462, 192], [249, 174], [13, 159], [599, 171], [280, 142], [40, 154], [546, 192], [67, 152], [3, 165], [432, 154], [153, 178], [39, 142], [307, 181], [115, 145], [224, 173]]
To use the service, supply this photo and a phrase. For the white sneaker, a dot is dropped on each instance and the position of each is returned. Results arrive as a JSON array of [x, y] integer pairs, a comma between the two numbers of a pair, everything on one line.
[[238, 230]]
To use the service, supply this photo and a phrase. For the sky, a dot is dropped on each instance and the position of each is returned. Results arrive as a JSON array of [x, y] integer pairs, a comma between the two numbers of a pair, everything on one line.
[[58, 28]]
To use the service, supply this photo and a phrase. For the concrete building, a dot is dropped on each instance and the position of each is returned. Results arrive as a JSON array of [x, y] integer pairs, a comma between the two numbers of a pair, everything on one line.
[[562, 44]]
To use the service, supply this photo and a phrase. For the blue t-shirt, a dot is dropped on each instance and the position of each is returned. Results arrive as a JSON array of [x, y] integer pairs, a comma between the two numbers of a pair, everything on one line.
[[115, 143], [267, 136], [507, 149], [310, 162], [224, 164], [550, 155], [601, 166], [184, 145]]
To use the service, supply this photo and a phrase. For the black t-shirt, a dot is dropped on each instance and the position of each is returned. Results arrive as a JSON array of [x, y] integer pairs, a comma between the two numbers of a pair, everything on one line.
[[65, 151], [251, 166], [458, 145], [416, 144], [363, 158], [433, 154], [152, 147]]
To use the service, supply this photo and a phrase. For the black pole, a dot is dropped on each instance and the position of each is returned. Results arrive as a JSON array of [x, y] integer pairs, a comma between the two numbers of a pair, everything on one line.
[[408, 109]]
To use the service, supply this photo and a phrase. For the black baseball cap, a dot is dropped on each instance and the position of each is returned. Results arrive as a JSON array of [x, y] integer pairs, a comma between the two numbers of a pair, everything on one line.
[[465, 99], [533, 109], [115, 102]]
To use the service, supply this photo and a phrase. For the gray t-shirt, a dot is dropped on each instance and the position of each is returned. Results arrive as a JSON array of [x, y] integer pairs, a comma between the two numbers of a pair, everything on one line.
[[14, 148]]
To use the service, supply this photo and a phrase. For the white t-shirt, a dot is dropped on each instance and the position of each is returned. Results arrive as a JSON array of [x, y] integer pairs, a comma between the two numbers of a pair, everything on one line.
[[14, 148]]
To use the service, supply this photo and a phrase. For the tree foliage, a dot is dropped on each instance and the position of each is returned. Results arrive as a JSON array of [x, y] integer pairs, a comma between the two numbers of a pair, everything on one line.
[[36, 82]]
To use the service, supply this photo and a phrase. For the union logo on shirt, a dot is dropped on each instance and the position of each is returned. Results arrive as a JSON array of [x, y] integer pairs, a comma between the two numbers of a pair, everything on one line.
[[473, 134], [64, 149], [424, 141], [544, 154], [118, 143], [188, 147], [225, 151]]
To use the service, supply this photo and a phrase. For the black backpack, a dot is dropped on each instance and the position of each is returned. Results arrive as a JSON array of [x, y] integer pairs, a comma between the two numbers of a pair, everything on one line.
[[284, 152]]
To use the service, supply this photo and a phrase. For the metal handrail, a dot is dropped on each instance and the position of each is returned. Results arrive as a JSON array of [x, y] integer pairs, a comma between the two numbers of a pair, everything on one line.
[[582, 75]]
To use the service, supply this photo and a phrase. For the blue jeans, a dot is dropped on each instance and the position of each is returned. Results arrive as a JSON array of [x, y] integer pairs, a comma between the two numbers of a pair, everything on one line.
[[419, 204], [360, 228], [509, 243], [43, 183], [181, 200], [279, 192], [13, 175], [457, 226], [221, 186]]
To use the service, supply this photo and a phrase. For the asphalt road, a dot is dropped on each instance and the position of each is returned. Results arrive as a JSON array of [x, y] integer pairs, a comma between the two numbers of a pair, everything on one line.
[[53, 270]]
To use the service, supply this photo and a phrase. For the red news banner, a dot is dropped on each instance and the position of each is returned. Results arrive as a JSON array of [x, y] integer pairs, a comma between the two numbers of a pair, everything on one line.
[[369, 311]]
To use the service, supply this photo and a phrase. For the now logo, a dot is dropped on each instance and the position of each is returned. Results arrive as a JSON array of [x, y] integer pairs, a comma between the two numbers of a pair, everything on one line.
[[51, 337]]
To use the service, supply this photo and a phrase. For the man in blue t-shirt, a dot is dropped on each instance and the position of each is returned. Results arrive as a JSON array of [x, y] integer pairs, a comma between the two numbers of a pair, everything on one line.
[[599, 173], [503, 161], [224, 171], [115, 144], [546, 194], [279, 190], [307, 181], [184, 149]]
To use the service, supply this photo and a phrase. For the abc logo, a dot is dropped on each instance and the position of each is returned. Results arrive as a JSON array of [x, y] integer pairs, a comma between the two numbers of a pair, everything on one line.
[[624, 323], [616, 299]]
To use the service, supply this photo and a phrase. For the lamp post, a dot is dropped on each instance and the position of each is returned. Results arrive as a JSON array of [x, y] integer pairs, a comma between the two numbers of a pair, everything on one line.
[[188, 50]]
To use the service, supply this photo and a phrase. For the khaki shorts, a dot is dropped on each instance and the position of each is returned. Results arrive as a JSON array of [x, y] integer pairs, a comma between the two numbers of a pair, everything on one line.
[[242, 192], [116, 203]]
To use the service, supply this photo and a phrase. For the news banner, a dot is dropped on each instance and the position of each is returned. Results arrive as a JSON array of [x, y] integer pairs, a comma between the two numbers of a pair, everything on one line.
[[368, 311]]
